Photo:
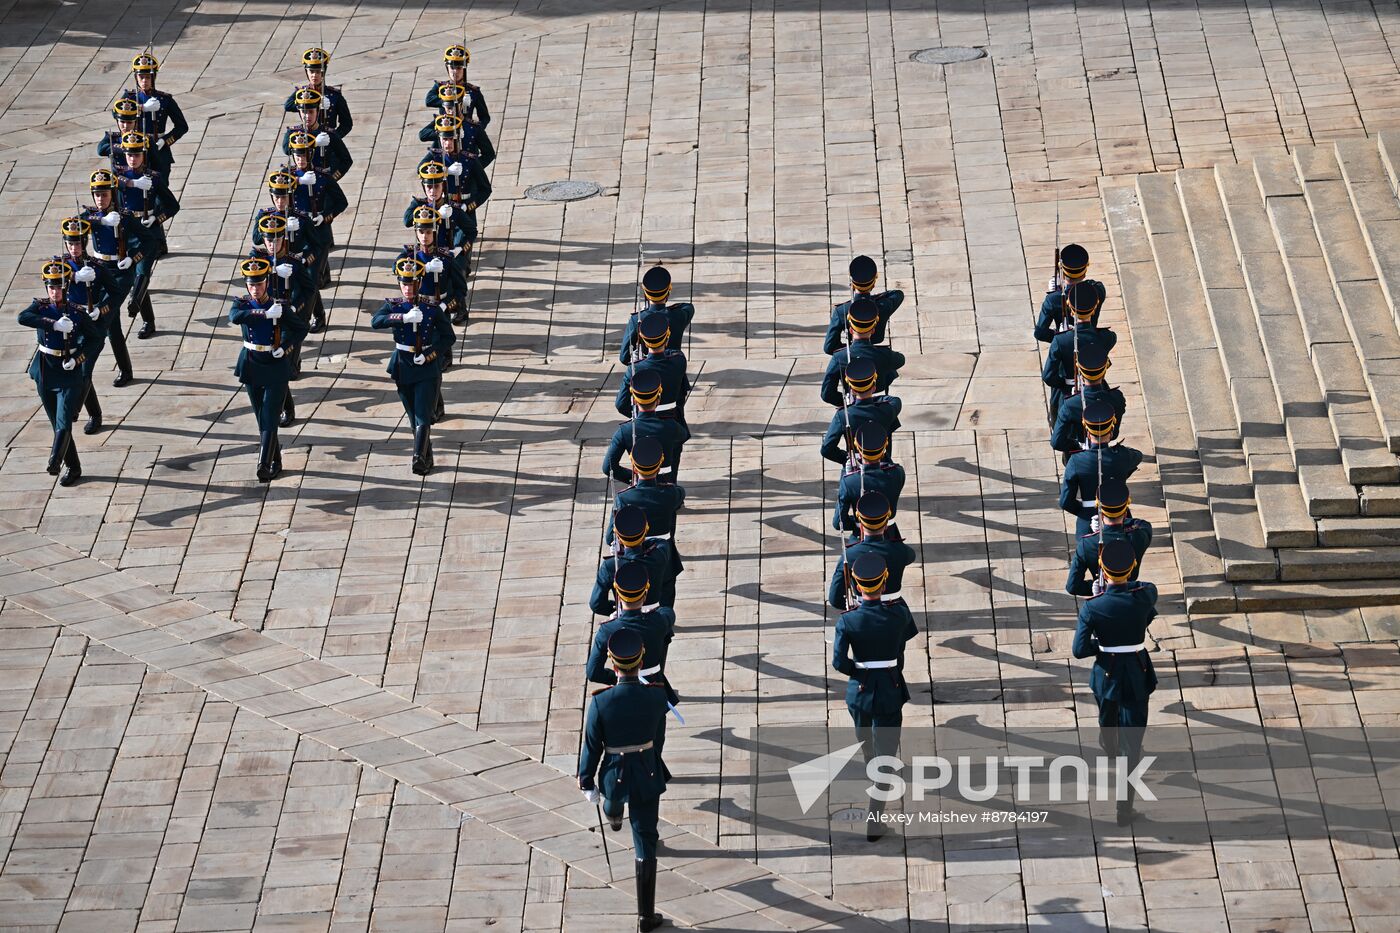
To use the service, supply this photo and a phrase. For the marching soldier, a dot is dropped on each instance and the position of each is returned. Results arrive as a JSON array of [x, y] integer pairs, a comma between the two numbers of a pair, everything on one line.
[[876, 536], [161, 120], [668, 364], [456, 227], [1074, 264], [270, 334], [66, 336], [868, 647], [1099, 460], [1059, 372], [127, 112], [656, 288], [1115, 525], [328, 153], [624, 726], [335, 116], [318, 195], [863, 318], [655, 623], [146, 197], [442, 279], [1092, 364], [865, 406], [473, 108], [660, 501], [423, 336], [646, 422], [633, 546], [454, 105], [467, 185], [864, 274], [872, 472], [301, 238], [90, 287], [1112, 630], [116, 243], [291, 285]]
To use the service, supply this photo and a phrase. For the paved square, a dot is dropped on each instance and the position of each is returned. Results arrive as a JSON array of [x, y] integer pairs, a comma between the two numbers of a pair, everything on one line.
[[348, 700]]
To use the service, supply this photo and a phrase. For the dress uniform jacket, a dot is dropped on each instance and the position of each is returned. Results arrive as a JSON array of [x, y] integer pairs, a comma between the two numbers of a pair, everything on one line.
[[1079, 488], [335, 112], [655, 556], [896, 553], [1121, 682], [333, 160], [1068, 433], [1084, 563], [886, 478], [675, 386], [1052, 313], [261, 367], [872, 632], [887, 364], [887, 303], [881, 409], [1058, 373], [678, 318], [669, 433]]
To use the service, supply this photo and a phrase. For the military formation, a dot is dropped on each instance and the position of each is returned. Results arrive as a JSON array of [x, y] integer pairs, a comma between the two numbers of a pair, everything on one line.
[[1085, 414], [621, 768], [110, 251]]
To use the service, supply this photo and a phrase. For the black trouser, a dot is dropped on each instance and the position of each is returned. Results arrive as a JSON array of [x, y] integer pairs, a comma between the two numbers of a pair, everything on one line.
[[117, 338]]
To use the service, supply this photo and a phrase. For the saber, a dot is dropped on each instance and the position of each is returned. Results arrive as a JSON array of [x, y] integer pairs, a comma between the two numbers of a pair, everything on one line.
[[606, 854]]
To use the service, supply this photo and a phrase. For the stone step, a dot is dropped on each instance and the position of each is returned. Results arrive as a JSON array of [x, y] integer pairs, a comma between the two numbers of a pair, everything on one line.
[[1283, 513], [1358, 532], [1329, 594], [1377, 210], [1388, 144], [1361, 302], [1230, 496], [1339, 563], [1327, 487]]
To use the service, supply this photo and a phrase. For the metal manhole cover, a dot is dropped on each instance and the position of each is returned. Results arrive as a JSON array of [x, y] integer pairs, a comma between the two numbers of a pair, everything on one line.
[[563, 191], [948, 55]]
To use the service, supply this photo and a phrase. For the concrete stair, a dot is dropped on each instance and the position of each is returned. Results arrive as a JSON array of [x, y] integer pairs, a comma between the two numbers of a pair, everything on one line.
[[1264, 304]]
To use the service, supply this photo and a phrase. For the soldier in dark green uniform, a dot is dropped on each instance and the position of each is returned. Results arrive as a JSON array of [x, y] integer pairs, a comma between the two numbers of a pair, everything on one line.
[[624, 725], [330, 157], [1074, 264], [1115, 524], [271, 331], [1099, 459], [876, 536], [1093, 363], [1113, 631], [864, 274], [1059, 372], [872, 472], [863, 317], [335, 112], [633, 546], [302, 236], [117, 242], [127, 112], [668, 364], [443, 282], [423, 336], [91, 287], [646, 421], [659, 500], [146, 196], [470, 106], [656, 288], [292, 285], [65, 337], [161, 120], [863, 405], [868, 647], [654, 622]]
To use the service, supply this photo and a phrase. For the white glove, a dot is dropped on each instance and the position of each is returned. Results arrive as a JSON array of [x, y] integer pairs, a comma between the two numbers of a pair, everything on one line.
[[275, 312], [433, 265], [63, 325], [413, 316], [70, 364], [278, 353], [442, 306], [325, 102], [1053, 285], [148, 221], [124, 263], [160, 142], [293, 224], [143, 182], [419, 359], [111, 219], [284, 270], [445, 212], [1094, 524], [455, 169], [151, 105], [308, 178], [456, 251], [317, 219], [591, 796], [1098, 586], [95, 314], [323, 139], [85, 274]]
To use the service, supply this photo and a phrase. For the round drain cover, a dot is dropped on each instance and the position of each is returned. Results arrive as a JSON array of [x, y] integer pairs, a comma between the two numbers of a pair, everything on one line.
[[562, 191], [948, 55]]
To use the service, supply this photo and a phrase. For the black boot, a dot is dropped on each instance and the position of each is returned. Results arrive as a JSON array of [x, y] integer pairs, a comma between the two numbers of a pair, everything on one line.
[[120, 355], [325, 280], [276, 456], [440, 409], [459, 317], [148, 319], [422, 451], [318, 315], [289, 411], [647, 917], [94, 410], [59, 452], [265, 458], [72, 468]]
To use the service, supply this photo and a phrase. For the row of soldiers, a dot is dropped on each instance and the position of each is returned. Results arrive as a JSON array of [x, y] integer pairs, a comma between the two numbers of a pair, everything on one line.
[[110, 249], [288, 265], [1085, 415], [621, 765]]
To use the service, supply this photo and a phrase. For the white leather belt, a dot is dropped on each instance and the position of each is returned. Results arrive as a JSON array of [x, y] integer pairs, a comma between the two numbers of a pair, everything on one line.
[[1089, 503], [52, 352], [626, 749], [648, 671], [260, 347], [649, 607], [406, 349], [875, 665], [891, 597], [665, 537], [1123, 649], [104, 256], [667, 407]]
